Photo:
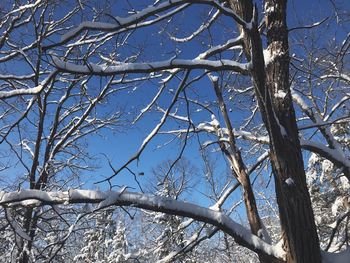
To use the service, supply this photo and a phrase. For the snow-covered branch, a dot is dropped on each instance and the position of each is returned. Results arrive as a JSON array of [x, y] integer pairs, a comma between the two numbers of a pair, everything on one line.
[[135, 20], [30, 91], [122, 68], [242, 235]]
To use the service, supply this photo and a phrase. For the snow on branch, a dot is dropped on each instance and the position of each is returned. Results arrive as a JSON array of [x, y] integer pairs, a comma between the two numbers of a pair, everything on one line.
[[25, 7], [242, 235], [343, 77], [135, 19], [328, 153], [30, 91], [122, 68], [238, 41], [313, 146], [203, 27], [337, 105], [334, 151], [121, 22], [18, 77]]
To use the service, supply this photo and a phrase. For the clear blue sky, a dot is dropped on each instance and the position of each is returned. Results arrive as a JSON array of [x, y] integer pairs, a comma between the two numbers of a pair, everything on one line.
[[120, 146], [124, 145]]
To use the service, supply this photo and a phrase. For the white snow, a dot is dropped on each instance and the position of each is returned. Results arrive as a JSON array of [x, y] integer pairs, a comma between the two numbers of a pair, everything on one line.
[[30, 91], [267, 56], [280, 94], [332, 153], [299, 100], [270, 56], [344, 183], [23, 7], [270, 9], [199, 30], [155, 203], [146, 109], [111, 198], [337, 153], [336, 106], [282, 129], [120, 21], [88, 25], [214, 122], [140, 17], [339, 75], [103, 69], [213, 78], [289, 181], [16, 92], [24, 144], [16, 227], [18, 77], [229, 44], [338, 203]]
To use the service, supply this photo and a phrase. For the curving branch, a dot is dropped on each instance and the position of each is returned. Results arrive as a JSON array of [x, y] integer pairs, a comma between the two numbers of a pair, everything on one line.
[[241, 235], [31, 91]]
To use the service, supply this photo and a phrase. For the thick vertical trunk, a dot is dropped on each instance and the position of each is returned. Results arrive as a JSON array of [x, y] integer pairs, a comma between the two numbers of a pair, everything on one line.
[[297, 220]]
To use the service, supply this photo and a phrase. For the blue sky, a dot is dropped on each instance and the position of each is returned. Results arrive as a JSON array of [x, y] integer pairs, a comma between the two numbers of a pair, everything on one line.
[[123, 144]]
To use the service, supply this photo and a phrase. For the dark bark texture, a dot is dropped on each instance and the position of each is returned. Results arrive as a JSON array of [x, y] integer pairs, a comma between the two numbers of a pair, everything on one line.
[[297, 220]]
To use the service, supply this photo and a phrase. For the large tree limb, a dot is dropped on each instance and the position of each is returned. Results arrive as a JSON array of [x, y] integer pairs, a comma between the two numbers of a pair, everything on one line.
[[123, 68], [241, 235]]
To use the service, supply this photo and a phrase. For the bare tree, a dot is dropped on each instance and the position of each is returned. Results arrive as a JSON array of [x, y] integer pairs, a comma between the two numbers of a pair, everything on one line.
[[239, 84]]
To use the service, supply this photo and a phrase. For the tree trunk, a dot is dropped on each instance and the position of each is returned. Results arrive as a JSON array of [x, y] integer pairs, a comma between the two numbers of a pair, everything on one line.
[[297, 221], [239, 171]]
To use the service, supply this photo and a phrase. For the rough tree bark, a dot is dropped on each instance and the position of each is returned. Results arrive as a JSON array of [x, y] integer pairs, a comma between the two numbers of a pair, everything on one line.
[[240, 172], [297, 220]]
